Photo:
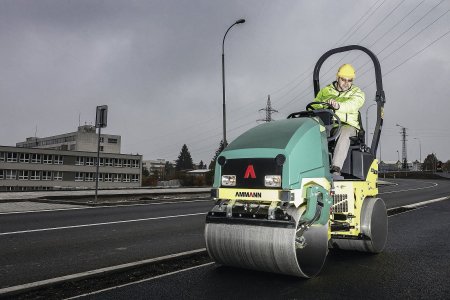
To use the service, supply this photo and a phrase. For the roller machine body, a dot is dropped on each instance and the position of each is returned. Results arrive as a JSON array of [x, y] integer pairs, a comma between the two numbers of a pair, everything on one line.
[[277, 206]]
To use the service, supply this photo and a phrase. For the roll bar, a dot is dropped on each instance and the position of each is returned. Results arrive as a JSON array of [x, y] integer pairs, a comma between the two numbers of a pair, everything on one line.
[[379, 96]]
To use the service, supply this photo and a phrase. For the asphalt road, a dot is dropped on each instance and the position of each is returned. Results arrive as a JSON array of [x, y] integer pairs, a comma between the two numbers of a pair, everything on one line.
[[43, 245], [414, 265]]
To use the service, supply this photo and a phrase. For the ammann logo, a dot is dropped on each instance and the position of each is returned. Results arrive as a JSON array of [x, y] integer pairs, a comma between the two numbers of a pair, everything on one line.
[[249, 194]]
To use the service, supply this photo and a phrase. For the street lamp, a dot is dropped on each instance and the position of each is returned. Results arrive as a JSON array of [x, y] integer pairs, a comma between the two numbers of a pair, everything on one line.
[[240, 21], [367, 122], [420, 149]]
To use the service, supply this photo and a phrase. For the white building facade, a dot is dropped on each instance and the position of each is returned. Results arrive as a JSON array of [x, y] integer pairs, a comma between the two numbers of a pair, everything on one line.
[[84, 139]]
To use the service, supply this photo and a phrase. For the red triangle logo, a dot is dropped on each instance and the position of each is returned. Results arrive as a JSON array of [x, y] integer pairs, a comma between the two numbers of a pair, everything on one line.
[[250, 172]]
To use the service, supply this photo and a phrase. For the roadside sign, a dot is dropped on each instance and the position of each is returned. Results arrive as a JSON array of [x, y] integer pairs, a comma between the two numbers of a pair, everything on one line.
[[101, 116]]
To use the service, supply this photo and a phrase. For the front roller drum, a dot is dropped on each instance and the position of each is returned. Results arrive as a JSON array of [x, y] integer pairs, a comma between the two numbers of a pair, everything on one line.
[[374, 228], [268, 248]]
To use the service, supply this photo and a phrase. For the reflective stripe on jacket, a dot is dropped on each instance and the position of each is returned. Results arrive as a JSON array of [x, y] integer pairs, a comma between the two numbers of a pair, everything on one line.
[[350, 102]]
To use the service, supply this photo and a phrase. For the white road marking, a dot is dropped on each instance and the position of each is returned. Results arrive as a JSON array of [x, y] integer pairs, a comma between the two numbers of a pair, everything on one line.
[[105, 206], [418, 205], [101, 224], [94, 272], [143, 280], [407, 190], [415, 205]]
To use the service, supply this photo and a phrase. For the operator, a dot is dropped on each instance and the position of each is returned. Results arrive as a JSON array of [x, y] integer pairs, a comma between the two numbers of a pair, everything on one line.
[[346, 99]]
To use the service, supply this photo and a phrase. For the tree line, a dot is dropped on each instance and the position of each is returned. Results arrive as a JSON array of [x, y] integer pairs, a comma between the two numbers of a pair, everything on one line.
[[178, 170]]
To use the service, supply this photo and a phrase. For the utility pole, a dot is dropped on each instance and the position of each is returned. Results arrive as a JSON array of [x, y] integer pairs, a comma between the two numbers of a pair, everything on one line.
[[404, 157], [269, 110]]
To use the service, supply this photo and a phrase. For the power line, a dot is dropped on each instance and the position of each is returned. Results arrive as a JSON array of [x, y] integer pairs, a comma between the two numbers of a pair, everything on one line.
[[412, 56]]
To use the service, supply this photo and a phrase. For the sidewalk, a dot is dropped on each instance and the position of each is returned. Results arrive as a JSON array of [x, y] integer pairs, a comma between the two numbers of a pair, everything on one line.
[[23, 196], [25, 206]]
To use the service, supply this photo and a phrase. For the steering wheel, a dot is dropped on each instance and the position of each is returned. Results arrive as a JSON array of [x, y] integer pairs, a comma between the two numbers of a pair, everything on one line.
[[310, 107], [330, 110]]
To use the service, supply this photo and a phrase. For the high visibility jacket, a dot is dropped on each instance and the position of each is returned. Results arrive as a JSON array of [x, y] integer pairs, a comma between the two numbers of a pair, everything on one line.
[[350, 102]]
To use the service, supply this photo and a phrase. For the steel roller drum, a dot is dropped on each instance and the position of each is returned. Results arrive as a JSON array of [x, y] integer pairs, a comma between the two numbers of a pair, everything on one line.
[[374, 225], [267, 248]]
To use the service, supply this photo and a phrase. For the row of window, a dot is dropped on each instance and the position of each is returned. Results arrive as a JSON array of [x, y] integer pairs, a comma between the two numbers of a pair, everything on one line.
[[108, 162], [57, 140], [58, 176], [26, 188], [30, 175], [107, 177], [31, 157], [60, 140], [58, 160], [110, 140]]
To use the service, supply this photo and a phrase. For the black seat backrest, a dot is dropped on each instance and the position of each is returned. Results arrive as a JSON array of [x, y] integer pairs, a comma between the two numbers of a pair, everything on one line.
[[360, 137]]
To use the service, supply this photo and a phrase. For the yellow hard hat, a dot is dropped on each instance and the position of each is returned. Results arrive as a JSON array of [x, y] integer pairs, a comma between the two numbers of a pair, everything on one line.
[[346, 71]]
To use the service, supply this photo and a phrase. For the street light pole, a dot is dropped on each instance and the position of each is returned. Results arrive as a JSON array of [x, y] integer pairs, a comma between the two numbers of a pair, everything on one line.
[[367, 122], [240, 21], [420, 149]]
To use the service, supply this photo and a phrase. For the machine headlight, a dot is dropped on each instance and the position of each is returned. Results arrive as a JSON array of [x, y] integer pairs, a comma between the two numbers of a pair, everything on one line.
[[229, 180], [272, 180]]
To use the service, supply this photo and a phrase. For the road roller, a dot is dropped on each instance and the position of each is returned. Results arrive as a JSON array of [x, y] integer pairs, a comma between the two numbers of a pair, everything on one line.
[[277, 206]]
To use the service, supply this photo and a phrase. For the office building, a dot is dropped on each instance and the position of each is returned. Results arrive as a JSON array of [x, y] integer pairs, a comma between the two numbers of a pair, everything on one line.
[[24, 169], [84, 139]]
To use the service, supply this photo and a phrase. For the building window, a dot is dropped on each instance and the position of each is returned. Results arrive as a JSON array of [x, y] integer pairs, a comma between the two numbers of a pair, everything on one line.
[[108, 177], [89, 177], [23, 175], [101, 149], [117, 162], [102, 139], [112, 141], [90, 161], [135, 178], [78, 176], [2, 174], [2, 156], [126, 163], [12, 157], [135, 163], [57, 175], [35, 158], [126, 177], [58, 159], [10, 174], [35, 175], [46, 175], [24, 157], [79, 161], [108, 162], [100, 177], [117, 177], [47, 159], [102, 161]]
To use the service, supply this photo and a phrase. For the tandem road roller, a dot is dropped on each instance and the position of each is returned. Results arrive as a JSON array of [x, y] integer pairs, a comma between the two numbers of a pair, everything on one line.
[[278, 208]]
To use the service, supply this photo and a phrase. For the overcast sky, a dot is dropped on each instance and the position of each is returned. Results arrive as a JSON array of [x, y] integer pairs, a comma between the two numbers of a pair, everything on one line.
[[157, 65]]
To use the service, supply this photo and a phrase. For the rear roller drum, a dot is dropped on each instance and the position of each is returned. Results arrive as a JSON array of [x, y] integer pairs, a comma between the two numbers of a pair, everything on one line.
[[374, 227]]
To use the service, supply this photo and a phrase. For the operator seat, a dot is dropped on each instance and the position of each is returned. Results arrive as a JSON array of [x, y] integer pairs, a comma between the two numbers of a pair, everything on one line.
[[359, 159]]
